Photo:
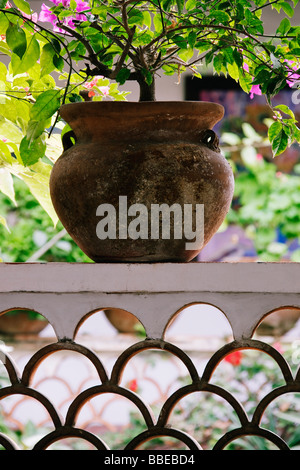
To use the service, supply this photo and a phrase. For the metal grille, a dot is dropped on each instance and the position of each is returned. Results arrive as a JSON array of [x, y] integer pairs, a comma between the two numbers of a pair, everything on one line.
[[66, 294]]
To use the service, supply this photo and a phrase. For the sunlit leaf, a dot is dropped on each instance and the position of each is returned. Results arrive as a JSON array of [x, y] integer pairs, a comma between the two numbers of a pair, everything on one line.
[[32, 151], [16, 40], [23, 6], [28, 59], [46, 105], [6, 184]]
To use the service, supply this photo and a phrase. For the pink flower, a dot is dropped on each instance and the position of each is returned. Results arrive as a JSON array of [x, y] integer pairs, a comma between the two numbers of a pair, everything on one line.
[[104, 90], [278, 347], [255, 90], [65, 3], [33, 17], [259, 156], [292, 78], [93, 82], [82, 6], [47, 16]]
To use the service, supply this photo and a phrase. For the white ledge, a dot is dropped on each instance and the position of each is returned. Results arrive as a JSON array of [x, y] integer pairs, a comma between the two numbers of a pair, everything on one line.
[[159, 277]]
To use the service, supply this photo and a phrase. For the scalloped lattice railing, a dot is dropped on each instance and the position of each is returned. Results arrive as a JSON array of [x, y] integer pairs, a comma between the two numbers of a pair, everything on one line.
[[66, 294]]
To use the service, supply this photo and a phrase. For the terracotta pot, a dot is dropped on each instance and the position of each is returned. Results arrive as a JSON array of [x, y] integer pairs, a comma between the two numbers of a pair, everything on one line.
[[279, 322], [21, 323], [122, 320], [148, 153]]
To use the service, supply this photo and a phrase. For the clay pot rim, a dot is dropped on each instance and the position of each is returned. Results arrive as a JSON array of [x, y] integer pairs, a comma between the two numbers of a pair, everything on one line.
[[190, 108]]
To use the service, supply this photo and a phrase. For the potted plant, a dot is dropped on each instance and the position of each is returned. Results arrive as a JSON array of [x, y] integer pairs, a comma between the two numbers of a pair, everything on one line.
[[22, 322], [131, 156]]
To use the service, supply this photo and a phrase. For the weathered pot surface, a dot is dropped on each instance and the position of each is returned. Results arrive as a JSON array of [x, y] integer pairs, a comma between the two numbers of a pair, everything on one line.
[[122, 320], [21, 324], [131, 157]]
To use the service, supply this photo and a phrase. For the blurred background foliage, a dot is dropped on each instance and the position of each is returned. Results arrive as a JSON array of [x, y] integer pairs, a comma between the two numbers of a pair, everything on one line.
[[29, 228], [266, 203]]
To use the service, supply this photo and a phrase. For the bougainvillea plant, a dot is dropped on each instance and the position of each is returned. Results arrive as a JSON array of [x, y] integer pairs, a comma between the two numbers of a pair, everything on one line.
[[73, 50]]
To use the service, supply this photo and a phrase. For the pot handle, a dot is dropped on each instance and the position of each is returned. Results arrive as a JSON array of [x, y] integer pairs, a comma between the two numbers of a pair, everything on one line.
[[67, 141], [210, 139]]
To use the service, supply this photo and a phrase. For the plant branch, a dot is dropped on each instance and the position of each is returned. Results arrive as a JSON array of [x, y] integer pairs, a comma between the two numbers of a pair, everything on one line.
[[265, 5], [42, 28], [122, 57]]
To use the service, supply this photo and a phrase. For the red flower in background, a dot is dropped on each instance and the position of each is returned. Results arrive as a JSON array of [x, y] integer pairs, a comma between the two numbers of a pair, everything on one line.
[[133, 385], [234, 358]]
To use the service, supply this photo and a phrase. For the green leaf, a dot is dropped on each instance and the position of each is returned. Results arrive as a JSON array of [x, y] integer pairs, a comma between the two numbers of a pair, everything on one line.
[[38, 184], [5, 153], [228, 54], [13, 109], [274, 86], [180, 5], [220, 16], [23, 6], [233, 71], [238, 58], [46, 61], [35, 129], [4, 223], [8, 130], [157, 22], [65, 14], [6, 184], [147, 19], [262, 77], [245, 81], [4, 23], [284, 27], [32, 152], [279, 141], [274, 130], [190, 4], [122, 76], [180, 41], [16, 40], [192, 37], [285, 109], [287, 8], [46, 105], [135, 16], [29, 58], [295, 132], [4, 49], [218, 63], [148, 76]]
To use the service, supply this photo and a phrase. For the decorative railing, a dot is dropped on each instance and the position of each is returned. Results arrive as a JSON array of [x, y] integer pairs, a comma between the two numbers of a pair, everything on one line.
[[66, 294]]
